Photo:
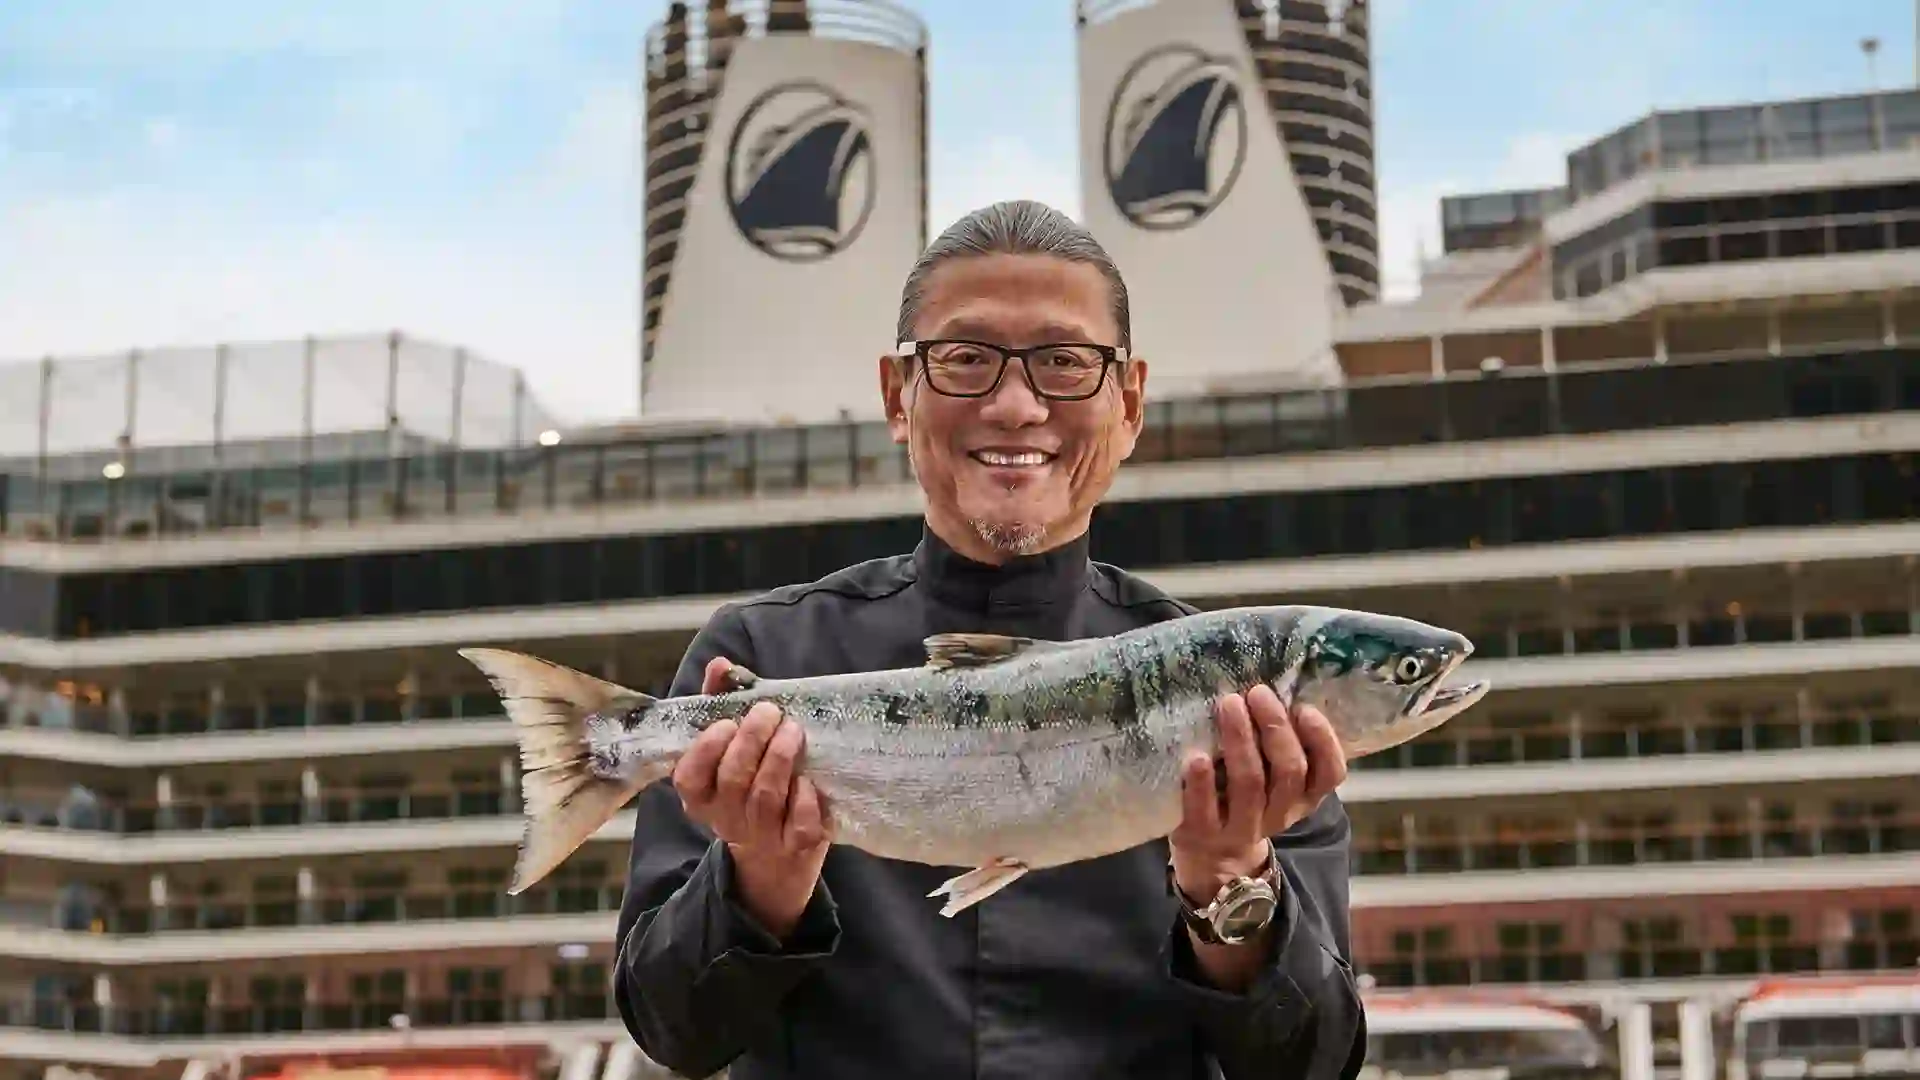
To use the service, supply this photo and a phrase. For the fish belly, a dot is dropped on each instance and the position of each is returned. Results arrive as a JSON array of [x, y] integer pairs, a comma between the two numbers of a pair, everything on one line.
[[954, 796]]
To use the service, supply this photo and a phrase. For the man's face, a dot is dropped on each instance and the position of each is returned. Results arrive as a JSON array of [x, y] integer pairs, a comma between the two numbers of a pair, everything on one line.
[[990, 509]]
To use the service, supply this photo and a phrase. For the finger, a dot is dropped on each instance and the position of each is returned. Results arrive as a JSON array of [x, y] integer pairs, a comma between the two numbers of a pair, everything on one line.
[[773, 784], [1265, 707], [806, 822], [715, 678], [1286, 763], [1326, 760], [1246, 772], [742, 759], [695, 774], [1199, 801]]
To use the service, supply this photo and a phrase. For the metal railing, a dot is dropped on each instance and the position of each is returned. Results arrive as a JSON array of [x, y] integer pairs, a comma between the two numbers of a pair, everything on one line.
[[327, 907], [65, 706], [1622, 260], [671, 42], [188, 1020], [1437, 847], [238, 406], [75, 502], [1541, 966], [1464, 744], [80, 809], [1802, 130]]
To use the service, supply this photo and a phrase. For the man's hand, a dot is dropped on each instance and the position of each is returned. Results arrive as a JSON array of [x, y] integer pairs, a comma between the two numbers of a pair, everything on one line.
[[1277, 769], [738, 780]]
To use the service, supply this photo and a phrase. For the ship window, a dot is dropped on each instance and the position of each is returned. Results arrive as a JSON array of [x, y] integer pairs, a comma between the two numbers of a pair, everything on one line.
[[1144, 534]]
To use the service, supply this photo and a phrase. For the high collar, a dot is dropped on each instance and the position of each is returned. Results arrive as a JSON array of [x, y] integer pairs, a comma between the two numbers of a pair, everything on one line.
[[1051, 577]]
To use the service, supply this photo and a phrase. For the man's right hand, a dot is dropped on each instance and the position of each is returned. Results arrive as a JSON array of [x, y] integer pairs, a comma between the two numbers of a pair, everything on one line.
[[738, 780]]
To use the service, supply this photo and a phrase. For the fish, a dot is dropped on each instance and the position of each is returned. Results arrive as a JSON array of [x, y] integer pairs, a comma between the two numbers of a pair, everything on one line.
[[1000, 755]]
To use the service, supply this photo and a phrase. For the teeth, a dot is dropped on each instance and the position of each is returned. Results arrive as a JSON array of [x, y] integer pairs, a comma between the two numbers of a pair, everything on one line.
[[994, 457]]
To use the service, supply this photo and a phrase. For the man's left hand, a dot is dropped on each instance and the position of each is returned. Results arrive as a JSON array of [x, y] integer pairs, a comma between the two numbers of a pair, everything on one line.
[[1277, 770]]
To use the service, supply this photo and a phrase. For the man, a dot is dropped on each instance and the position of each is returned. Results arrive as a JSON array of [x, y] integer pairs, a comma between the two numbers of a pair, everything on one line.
[[746, 940]]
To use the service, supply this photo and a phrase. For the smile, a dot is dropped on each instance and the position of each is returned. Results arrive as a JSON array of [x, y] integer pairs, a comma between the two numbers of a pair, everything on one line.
[[1011, 458]]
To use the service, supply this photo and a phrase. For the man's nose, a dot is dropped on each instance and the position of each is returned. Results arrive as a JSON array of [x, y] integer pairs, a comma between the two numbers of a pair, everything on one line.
[[1013, 401]]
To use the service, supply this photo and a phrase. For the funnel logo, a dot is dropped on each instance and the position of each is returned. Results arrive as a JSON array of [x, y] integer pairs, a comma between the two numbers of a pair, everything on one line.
[[800, 173], [1176, 137]]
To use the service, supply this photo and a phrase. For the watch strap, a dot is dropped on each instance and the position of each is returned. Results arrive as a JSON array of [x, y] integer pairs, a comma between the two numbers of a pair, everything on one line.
[[1200, 919]]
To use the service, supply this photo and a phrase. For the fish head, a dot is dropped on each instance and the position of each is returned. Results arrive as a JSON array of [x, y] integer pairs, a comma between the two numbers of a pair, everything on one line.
[[1380, 680]]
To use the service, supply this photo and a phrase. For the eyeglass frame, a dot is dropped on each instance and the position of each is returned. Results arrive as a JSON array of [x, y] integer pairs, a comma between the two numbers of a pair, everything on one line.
[[1109, 356]]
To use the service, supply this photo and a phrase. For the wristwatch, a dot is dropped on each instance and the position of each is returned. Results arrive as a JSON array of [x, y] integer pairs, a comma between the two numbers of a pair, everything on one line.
[[1242, 908]]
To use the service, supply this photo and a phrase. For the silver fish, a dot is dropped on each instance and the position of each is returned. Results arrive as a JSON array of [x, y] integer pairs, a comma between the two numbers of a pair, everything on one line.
[[1001, 755]]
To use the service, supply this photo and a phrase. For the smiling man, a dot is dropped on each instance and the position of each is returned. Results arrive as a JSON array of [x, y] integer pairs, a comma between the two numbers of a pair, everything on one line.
[[747, 941]]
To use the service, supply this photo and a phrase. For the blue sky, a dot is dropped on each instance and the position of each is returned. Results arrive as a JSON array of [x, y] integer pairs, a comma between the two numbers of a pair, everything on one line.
[[188, 171]]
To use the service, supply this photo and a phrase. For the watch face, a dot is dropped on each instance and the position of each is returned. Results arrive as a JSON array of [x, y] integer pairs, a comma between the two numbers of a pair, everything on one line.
[[1246, 916]]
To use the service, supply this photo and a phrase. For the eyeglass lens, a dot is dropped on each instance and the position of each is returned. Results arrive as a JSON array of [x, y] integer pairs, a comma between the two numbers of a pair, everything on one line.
[[1057, 370]]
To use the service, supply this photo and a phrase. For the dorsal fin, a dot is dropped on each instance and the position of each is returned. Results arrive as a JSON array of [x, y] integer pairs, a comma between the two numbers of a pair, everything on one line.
[[977, 650]]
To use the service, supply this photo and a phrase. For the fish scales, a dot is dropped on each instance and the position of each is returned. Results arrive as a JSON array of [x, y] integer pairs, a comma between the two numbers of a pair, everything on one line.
[[1003, 755], [1034, 754]]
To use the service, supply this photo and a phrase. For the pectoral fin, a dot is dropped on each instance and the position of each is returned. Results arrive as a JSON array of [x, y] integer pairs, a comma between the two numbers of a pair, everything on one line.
[[978, 650], [977, 884]]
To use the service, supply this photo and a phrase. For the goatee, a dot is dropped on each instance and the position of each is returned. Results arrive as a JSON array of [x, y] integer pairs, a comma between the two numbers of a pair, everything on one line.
[[1011, 538]]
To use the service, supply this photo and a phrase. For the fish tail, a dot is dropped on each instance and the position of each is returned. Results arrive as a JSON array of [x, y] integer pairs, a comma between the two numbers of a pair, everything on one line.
[[565, 799]]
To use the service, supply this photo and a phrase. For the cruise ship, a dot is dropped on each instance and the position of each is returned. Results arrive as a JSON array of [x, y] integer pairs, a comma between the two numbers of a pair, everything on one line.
[[1652, 437]]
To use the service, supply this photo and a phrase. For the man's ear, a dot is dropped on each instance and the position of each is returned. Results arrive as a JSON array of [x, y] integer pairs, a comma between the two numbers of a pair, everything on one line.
[[1133, 402], [893, 395]]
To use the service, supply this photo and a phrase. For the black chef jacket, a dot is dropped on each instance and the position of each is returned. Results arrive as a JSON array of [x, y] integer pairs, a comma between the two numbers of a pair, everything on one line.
[[1078, 971]]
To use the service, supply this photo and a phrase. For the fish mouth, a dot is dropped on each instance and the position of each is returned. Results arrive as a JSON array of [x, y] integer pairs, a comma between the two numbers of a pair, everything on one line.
[[1439, 703], [1449, 701]]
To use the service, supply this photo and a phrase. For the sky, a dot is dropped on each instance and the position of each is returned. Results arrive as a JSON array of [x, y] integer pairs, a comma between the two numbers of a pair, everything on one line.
[[191, 171]]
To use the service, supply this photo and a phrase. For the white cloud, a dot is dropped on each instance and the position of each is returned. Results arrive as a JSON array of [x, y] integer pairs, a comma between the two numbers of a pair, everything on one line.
[[127, 35], [541, 276], [134, 270]]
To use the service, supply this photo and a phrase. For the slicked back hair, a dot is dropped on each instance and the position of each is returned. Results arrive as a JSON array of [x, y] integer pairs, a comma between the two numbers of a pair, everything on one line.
[[1014, 227]]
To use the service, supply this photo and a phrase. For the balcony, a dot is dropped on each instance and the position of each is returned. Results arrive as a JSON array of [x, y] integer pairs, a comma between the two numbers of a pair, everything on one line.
[[1613, 883], [183, 746], [1543, 762], [63, 1045], [276, 841], [1672, 946], [231, 944], [52, 1031], [1748, 829], [1623, 389], [1501, 853], [1654, 608]]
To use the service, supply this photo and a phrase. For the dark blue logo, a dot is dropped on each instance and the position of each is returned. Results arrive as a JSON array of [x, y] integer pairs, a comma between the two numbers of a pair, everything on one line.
[[1176, 137], [800, 172]]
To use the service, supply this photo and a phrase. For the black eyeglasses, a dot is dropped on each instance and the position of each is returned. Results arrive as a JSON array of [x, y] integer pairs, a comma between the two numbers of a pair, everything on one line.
[[1061, 371]]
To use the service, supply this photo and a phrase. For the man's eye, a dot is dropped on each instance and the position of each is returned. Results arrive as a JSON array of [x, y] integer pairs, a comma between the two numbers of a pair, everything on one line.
[[1069, 358], [960, 356]]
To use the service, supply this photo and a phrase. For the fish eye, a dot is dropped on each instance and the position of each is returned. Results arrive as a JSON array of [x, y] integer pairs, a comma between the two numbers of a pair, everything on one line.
[[1408, 668]]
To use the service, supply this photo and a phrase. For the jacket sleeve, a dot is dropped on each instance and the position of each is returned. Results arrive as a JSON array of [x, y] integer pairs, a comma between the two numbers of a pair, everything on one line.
[[696, 979], [1302, 1018]]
